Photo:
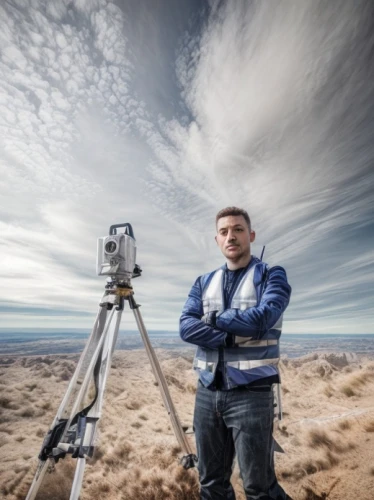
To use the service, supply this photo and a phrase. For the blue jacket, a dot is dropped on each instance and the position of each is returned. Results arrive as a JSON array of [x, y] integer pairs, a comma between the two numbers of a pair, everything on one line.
[[250, 361]]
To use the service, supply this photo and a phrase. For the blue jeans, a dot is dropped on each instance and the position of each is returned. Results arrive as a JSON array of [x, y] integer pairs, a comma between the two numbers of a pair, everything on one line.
[[235, 422]]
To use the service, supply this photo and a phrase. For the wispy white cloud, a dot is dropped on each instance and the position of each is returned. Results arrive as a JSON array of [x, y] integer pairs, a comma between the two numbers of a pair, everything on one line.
[[112, 112]]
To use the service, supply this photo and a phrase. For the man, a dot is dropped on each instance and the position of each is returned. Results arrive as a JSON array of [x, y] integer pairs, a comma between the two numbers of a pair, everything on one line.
[[233, 315]]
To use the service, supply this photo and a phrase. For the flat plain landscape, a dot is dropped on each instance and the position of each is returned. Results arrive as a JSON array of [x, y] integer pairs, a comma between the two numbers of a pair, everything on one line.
[[327, 431]]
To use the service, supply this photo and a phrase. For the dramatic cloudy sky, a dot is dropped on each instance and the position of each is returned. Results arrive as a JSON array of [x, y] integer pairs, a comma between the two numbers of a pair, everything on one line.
[[162, 112]]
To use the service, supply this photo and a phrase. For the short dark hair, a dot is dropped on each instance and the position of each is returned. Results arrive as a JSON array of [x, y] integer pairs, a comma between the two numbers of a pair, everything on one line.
[[225, 212]]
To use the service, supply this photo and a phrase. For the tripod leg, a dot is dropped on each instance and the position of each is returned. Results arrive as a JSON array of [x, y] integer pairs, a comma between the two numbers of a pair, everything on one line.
[[60, 420], [87, 438], [190, 459], [78, 478], [56, 443]]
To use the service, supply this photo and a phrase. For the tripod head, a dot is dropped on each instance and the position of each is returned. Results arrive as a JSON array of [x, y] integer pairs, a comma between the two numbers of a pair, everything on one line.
[[116, 254]]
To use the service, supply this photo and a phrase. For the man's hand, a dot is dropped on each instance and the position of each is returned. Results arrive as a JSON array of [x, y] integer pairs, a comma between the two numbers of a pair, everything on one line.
[[210, 319], [231, 340]]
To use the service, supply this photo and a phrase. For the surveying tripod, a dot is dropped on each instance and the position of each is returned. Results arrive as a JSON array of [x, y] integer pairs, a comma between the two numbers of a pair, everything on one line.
[[74, 427]]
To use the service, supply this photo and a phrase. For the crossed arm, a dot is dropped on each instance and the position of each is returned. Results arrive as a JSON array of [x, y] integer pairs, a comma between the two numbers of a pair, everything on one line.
[[253, 322]]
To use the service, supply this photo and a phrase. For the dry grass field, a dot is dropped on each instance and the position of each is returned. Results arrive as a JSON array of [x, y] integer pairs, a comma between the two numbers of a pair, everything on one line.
[[327, 431]]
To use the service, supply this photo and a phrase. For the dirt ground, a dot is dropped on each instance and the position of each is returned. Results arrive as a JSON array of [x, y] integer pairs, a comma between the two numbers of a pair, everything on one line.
[[327, 431]]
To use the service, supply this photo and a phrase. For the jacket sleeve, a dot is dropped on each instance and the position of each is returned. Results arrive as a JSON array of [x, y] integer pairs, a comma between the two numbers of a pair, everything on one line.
[[254, 322], [192, 329]]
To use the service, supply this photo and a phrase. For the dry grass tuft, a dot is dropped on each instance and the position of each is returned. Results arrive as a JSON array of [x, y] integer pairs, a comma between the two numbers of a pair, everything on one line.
[[11, 482], [345, 424], [57, 485], [356, 381], [46, 405], [347, 390], [318, 438], [324, 460], [310, 494], [27, 412], [5, 402], [171, 380], [133, 405], [191, 388], [124, 450], [31, 386], [329, 390], [6, 429], [118, 458], [169, 485], [136, 425], [369, 427]]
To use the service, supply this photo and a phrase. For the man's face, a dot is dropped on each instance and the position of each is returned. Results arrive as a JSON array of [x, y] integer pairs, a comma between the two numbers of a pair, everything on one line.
[[234, 237]]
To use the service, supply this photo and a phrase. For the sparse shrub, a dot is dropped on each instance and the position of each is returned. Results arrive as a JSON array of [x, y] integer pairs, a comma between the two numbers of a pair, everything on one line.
[[123, 450], [133, 405], [175, 450], [99, 453], [309, 466], [19, 439], [328, 390], [7, 430], [21, 468], [11, 483], [27, 412], [143, 417], [347, 390], [369, 427], [40, 433], [31, 386], [5, 402], [64, 376], [47, 405], [318, 438], [175, 484], [191, 388], [344, 425], [358, 379], [310, 494], [56, 486], [136, 425], [371, 471], [104, 487], [171, 380]]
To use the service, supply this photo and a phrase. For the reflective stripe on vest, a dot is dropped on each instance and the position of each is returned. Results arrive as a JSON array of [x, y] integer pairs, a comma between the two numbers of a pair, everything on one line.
[[240, 365], [204, 365], [252, 363], [256, 343]]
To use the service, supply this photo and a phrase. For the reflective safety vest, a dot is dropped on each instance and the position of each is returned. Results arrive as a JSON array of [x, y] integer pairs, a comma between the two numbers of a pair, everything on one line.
[[251, 360]]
